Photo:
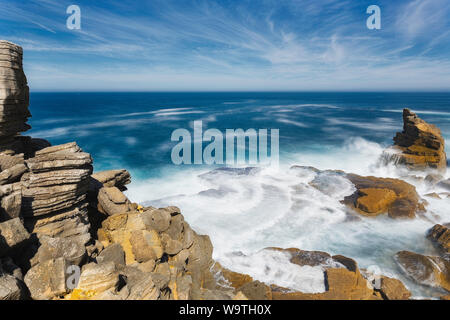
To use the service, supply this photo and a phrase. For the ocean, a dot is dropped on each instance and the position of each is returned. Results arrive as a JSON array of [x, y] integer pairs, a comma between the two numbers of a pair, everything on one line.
[[245, 211]]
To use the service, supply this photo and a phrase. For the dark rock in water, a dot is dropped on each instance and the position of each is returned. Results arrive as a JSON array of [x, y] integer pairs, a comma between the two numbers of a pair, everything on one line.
[[419, 146], [426, 270], [306, 258], [230, 172], [99, 278], [432, 179], [12, 174], [440, 235], [256, 290]]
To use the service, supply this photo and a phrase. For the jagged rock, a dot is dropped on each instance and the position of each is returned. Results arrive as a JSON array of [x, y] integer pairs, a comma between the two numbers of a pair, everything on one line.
[[140, 285], [10, 201], [440, 235], [113, 253], [158, 219], [393, 289], [256, 290], [73, 252], [171, 247], [426, 270], [12, 236], [72, 224], [97, 278], [433, 178], [47, 280], [233, 279], [8, 161], [111, 178], [112, 201], [94, 249], [54, 192], [148, 266], [376, 196], [342, 278], [445, 184], [12, 174], [146, 245], [419, 146], [7, 266], [11, 281], [10, 288], [181, 287]]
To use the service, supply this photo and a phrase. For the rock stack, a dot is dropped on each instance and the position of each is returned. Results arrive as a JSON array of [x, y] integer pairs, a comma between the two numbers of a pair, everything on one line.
[[54, 192], [14, 95], [419, 146]]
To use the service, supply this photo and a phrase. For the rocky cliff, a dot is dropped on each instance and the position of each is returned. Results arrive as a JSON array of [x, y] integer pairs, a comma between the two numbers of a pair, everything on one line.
[[66, 233], [419, 146]]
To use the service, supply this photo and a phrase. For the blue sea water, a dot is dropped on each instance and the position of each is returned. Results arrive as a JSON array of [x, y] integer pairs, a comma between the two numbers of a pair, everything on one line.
[[133, 130], [246, 211]]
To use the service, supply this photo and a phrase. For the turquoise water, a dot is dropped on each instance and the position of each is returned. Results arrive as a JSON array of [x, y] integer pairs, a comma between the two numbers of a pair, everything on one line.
[[245, 211]]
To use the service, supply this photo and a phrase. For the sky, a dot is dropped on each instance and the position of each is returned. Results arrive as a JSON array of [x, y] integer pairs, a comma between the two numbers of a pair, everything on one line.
[[231, 45]]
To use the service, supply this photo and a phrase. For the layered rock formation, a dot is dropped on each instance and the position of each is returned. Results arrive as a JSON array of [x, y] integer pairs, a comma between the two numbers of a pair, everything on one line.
[[54, 192], [419, 146], [14, 94]]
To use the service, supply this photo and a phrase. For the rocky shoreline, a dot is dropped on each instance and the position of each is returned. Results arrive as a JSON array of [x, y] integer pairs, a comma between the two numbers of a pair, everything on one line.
[[58, 218]]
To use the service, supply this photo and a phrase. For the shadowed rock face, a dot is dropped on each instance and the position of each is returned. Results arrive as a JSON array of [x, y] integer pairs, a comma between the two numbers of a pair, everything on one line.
[[430, 271], [420, 145], [440, 236]]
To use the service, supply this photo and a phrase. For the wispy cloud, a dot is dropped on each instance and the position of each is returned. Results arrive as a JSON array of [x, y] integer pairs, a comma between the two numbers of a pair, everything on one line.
[[232, 45]]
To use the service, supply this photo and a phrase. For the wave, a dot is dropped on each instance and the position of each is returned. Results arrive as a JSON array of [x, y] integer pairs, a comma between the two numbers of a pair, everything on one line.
[[247, 210]]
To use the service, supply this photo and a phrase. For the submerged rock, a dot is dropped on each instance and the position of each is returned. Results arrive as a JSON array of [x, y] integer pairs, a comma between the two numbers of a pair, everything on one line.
[[425, 270], [419, 146], [440, 235]]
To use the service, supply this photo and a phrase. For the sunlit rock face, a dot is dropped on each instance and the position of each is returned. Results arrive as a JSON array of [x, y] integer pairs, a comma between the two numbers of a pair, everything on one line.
[[419, 146]]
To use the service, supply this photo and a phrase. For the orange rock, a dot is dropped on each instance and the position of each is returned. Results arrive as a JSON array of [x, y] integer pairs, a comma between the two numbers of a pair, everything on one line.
[[393, 289], [376, 196], [375, 201], [420, 145]]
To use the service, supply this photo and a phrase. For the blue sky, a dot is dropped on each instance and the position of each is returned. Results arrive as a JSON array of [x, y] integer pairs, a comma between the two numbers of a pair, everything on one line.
[[226, 45]]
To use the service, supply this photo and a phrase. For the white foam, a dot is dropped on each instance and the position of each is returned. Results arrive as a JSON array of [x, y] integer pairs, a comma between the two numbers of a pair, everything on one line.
[[249, 210]]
